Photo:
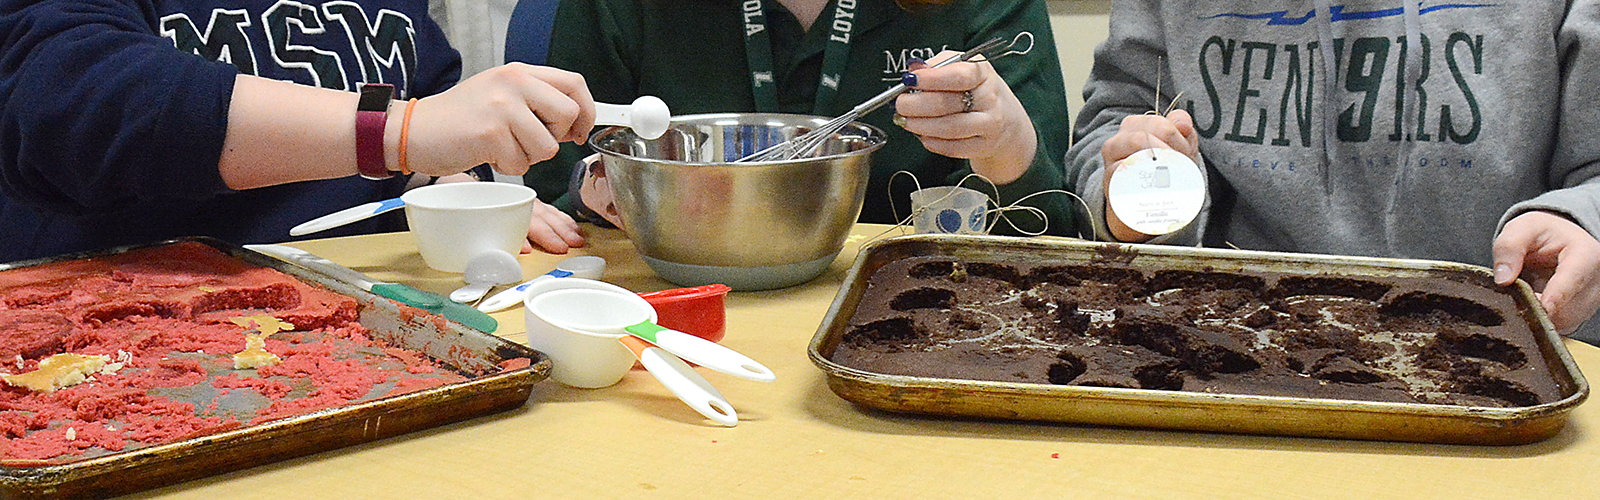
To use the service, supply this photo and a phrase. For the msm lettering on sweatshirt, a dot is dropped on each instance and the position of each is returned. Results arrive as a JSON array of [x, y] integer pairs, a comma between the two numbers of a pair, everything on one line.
[[897, 63], [1268, 93], [309, 38]]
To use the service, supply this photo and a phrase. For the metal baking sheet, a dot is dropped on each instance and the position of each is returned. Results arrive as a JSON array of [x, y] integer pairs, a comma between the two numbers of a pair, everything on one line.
[[488, 389], [1232, 413]]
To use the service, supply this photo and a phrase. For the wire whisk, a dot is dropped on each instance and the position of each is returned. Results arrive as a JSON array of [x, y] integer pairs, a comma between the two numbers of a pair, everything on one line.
[[807, 144]]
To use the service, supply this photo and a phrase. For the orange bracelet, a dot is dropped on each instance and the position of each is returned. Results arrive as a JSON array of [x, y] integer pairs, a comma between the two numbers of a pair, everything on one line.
[[405, 135]]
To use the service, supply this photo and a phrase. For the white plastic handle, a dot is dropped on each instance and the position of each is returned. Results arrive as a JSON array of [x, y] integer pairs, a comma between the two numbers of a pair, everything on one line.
[[346, 216], [315, 263], [583, 266], [703, 352], [514, 295], [688, 386], [470, 292], [648, 116]]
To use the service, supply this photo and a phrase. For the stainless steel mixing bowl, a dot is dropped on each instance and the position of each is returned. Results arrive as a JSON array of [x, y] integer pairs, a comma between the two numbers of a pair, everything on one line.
[[698, 219]]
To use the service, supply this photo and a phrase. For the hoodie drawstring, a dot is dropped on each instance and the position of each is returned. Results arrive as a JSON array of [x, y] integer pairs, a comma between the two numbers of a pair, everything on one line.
[[1329, 79], [1408, 122]]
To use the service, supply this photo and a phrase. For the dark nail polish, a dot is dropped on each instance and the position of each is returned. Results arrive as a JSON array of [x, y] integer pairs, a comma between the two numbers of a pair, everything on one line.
[[915, 62], [909, 79]]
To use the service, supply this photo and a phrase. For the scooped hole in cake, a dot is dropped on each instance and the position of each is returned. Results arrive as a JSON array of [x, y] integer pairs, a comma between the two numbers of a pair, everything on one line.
[[923, 298], [1067, 368], [1164, 377], [1504, 390], [1422, 303], [883, 331], [1290, 286], [107, 313], [1129, 279], [999, 272], [32, 334], [1058, 275], [1198, 280], [935, 269], [271, 297], [1343, 369], [37, 298], [276, 296], [1196, 353], [1477, 345]]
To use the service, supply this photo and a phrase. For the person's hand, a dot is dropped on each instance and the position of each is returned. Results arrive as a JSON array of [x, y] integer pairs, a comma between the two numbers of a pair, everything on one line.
[[593, 189], [965, 110], [510, 117], [1138, 133], [1558, 259], [551, 230]]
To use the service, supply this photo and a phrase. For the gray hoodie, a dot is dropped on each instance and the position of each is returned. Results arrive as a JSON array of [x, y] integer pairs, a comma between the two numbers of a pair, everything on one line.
[[1423, 150]]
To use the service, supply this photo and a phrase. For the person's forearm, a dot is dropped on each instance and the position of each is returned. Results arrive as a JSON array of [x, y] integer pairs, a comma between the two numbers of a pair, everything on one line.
[[1005, 168], [281, 132]]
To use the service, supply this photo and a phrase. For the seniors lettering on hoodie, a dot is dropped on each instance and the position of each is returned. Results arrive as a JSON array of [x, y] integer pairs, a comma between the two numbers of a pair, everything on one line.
[[1266, 89]]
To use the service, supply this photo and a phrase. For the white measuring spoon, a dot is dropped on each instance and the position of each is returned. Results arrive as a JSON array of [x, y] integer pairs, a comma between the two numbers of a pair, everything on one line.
[[648, 116], [484, 271], [616, 313], [353, 214], [584, 266]]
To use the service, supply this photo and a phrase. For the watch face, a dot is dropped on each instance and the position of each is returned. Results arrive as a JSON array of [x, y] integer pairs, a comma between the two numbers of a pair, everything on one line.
[[375, 97]]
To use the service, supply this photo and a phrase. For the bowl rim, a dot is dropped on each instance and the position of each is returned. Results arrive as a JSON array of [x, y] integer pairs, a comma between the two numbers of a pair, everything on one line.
[[876, 135]]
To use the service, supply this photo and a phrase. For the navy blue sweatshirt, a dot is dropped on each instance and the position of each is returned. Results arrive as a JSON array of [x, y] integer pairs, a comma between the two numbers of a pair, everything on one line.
[[113, 113]]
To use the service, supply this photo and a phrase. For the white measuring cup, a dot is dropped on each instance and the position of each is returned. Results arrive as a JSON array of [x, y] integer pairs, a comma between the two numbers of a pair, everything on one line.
[[609, 311], [583, 357]]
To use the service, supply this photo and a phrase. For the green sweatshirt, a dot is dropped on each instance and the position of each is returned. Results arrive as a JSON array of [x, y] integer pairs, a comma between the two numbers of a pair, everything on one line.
[[692, 54]]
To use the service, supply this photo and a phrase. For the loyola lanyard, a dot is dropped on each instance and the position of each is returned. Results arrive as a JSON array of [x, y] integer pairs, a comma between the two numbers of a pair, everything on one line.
[[758, 51]]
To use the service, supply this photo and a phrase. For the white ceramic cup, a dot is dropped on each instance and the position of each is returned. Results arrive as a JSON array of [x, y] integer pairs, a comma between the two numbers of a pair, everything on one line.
[[579, 357], [454, 222], [949, 210]]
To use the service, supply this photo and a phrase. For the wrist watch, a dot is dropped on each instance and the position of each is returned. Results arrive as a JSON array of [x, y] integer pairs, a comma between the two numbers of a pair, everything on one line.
[[372, 114]]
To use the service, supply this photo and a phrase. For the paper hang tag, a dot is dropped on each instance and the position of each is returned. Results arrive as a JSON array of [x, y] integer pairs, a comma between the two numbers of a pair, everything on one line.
[[1156, 191]]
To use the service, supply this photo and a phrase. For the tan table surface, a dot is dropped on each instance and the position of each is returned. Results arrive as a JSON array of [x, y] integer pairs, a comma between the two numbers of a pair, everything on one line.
[[796, 439]]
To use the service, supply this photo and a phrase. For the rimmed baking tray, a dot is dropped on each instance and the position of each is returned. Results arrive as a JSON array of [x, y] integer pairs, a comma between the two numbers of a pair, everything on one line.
[[497, 380], [1231, 413]]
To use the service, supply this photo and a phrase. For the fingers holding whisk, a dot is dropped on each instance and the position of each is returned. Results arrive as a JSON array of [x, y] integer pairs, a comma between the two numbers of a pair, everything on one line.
[[969, 102], [966, 110]]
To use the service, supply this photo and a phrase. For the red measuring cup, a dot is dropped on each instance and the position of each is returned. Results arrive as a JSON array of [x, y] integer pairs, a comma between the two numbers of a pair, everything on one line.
[[695, 310]]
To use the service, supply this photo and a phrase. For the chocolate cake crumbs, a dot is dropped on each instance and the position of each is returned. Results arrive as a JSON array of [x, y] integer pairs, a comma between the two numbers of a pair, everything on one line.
[[1108, 324]]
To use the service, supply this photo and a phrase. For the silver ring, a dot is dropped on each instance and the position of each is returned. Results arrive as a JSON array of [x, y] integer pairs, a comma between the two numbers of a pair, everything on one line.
[[966, 102]]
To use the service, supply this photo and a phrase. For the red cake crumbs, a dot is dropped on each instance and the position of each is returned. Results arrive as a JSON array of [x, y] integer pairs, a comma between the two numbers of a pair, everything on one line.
[[515, 364], [165, 315], [270, 388]]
